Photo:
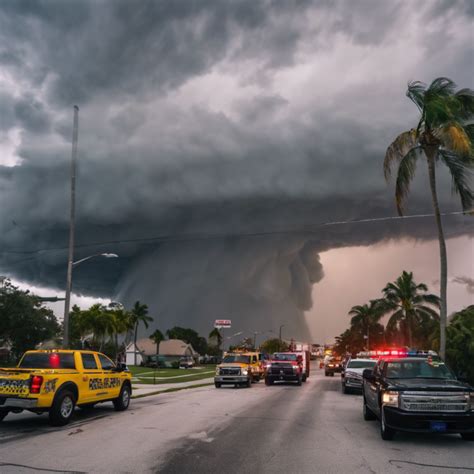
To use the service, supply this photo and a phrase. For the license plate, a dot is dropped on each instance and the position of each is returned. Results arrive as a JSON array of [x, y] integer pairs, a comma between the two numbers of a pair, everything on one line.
[[438, 426]]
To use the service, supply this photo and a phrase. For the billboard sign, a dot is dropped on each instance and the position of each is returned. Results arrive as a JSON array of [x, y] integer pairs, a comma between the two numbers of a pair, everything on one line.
[[222, 323]]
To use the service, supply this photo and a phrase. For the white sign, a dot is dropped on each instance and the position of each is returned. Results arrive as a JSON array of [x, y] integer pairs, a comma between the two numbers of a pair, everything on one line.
[[222, 323]]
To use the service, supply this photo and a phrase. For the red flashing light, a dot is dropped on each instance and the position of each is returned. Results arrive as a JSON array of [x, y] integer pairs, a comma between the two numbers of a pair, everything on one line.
[[54, 361], [35, 383]]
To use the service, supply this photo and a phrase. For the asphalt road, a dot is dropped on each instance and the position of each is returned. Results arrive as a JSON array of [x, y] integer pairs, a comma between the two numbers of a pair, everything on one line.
[[279, 429]]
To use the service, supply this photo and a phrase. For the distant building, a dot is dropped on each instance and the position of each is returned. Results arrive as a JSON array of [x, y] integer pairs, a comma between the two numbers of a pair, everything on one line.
[[173, 350], [145, 349]]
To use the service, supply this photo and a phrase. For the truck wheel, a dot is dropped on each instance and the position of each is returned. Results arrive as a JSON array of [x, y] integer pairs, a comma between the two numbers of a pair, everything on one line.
[[326, 374], [367, 412], [3, 414], [217, 384], [63, 408], [299, 381], [386, 433], [304, 378], [332, 374], [122, 402], [268, 381], [248, 384], [345, 390], [467, 436]]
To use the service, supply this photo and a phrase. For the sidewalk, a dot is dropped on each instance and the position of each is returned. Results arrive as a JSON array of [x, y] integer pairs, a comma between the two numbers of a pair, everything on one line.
[[140, 389]]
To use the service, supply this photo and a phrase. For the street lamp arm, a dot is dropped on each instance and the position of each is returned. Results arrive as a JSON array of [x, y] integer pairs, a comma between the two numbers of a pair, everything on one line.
[[106, 255]]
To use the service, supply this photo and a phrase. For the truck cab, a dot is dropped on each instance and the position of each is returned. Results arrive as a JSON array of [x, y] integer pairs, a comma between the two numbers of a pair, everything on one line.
[[284, 367], [419, 394]]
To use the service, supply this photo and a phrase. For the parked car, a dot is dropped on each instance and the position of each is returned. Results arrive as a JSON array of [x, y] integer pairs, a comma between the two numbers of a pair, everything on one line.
[[351, 375], [186, 363]]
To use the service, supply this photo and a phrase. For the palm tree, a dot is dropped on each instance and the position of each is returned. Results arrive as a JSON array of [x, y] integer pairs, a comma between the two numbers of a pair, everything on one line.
[[409, 304], [216, 334], [444, 132], [139, 314], [366, 317]]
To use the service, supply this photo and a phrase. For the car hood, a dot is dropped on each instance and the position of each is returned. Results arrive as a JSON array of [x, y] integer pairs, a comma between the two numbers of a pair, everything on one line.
[[349, 371], [429, 384]]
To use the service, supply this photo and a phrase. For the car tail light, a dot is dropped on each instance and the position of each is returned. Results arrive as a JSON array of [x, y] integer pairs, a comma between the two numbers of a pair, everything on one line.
[[35, 383]]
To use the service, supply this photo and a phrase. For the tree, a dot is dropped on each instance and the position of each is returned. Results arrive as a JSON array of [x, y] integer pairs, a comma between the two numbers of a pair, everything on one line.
[[215, 335], [273, 345], [157, 337], [139, 314], [460, 353], [24, 321], [409, 305], [365, 319], [444, 132]]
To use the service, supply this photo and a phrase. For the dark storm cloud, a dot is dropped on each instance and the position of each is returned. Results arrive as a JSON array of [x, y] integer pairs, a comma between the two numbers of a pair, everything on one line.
[[203, 121]]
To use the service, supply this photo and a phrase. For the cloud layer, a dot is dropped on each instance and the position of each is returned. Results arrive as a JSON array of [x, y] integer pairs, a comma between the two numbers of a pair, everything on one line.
[[211, 118]]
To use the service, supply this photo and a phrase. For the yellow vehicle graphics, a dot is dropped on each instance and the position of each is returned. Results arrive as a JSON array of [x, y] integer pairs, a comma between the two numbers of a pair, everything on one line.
[[90, 377]]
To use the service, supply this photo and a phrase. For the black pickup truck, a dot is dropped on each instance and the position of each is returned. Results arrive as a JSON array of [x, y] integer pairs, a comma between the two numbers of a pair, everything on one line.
[[417, 394]]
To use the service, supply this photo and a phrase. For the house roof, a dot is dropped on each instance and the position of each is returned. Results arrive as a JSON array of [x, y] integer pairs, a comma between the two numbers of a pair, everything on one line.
[[145, 346], [176, 347]]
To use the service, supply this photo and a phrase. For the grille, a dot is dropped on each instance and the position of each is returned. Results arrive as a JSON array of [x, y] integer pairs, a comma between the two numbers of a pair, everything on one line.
[[277, 369], [434, 401], [229, 371]]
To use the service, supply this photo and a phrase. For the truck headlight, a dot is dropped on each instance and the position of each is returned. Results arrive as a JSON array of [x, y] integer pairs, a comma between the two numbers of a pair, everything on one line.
[[245, 371], [295, 367], [390, 399], [217, 371]]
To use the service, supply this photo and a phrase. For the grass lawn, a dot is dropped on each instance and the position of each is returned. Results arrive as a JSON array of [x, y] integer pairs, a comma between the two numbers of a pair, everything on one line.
[[160, 376]]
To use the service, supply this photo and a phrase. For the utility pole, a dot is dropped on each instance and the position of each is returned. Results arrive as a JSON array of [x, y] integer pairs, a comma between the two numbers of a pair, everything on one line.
[[70, 259], [281, 326]]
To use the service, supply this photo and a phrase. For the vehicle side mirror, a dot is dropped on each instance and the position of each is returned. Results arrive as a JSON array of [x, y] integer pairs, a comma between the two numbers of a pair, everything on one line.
[[368, 374], [299, 358], [120, 367]]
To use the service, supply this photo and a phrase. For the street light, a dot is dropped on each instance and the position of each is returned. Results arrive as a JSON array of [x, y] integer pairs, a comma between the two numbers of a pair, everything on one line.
[[282, 326], [67, 300], [106, 255]]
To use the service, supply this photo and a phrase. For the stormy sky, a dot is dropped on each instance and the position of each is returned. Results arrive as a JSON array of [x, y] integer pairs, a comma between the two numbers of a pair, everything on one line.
[[215, 141]]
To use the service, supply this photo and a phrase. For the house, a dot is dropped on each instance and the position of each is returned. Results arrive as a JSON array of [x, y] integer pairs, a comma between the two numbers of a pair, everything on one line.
[[144, 350], [173, 350]]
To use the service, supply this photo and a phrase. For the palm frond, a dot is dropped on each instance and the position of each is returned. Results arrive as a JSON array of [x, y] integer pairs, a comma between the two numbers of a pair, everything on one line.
[[416, 93], [406, 172], [465, 98], [398, 149], [441, 86], [455, 138], [461, 174]]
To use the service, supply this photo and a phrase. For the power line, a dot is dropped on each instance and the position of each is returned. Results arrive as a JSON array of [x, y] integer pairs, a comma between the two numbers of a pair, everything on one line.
[[223, 235]]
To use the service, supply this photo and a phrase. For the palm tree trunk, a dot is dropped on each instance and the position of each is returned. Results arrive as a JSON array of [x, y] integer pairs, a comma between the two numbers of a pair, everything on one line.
[[443, 316]]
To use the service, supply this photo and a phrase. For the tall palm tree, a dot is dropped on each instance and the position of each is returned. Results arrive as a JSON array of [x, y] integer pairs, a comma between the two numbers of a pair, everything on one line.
[[409, 304], [366, 317], [445, 133], [139, 314]]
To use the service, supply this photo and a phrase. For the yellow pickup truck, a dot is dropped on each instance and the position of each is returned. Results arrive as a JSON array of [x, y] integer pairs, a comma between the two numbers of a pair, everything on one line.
[[56, 381]]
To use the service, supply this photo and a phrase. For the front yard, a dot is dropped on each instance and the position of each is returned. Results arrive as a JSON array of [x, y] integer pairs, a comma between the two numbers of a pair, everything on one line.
[[148, 375]]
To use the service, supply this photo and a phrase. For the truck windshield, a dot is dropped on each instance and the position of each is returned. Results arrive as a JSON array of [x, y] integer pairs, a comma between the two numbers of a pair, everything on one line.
[[284, 357], [424, 368], [361, 364], [237, 358], [42, 360]]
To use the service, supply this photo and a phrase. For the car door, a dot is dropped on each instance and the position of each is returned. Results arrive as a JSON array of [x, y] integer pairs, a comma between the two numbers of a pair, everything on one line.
[[111, 379], [370, 389], [91, 378]]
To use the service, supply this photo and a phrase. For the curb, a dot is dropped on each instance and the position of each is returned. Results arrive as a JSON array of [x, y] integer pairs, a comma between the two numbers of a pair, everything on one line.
[[169, 390]]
